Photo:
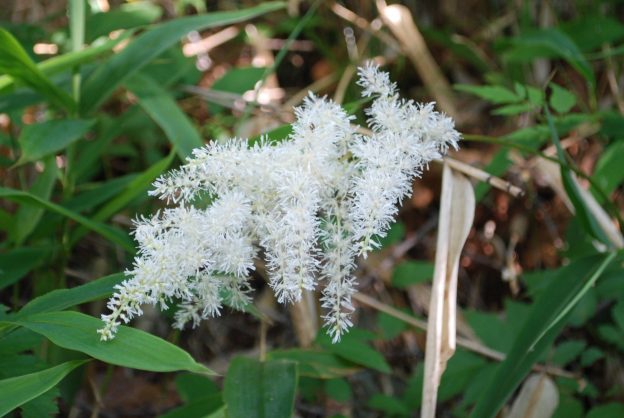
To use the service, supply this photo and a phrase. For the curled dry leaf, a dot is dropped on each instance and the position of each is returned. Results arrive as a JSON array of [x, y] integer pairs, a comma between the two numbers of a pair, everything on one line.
[[538, 398], [456, 215]]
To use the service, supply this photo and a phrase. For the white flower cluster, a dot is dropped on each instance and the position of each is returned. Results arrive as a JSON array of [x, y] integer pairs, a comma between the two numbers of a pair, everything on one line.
[[308, 206]]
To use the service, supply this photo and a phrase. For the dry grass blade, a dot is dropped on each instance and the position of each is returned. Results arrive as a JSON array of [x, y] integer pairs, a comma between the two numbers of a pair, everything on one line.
[[456, 215], [399, 19], [551, 173]]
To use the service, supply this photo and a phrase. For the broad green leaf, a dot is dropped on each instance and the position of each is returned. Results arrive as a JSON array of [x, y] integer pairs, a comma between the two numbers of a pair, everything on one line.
[[15, 62], [61, 299], [493, 94], [28, 216], [411, 272], [514, 109], [610, 410], [544, 323], [389, 405], [550, 42], [192, 387], [590, 356], [608, 173], [260, 389], [338, 389], [568, 351], [18, 262], [42, 139], [126, 16], [149, 45], [130, 348], [592, 32], [114, 235], [44, 405], [354, 349], [318, 364], [163, 109], [561, 100], [568, 408], [199, 408], [18, 390]]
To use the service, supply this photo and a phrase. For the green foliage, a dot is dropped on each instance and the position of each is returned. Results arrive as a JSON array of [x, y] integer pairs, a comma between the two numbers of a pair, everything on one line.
[[133, 348], [19, 390], [260, 389], [80, 164]]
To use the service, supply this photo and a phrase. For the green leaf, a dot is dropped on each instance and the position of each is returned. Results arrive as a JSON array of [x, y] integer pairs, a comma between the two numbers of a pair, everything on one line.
[[568, 408], [150, 44], [318, 364], [608, 173], [390, 405], [61, 299], [257, 389], [198, 408], [610, 410], [411, 272], [590, 356], [18, 262], [69, 60], [550, 42], [15, 62], [561, 100], [44, 405], [193, 387], [28, 216], [584, 215], [354, 348], [126, 16], [568, 351], [106, 231], [338, 389], [130, 348], [493, 94], [163, 109], [544, 323], [18, 390], [42, 139]]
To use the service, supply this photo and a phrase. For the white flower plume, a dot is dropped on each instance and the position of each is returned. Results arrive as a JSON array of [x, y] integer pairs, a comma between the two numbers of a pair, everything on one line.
[[309, 205]]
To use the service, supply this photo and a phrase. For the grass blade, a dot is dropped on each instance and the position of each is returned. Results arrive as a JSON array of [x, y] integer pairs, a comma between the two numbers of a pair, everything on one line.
[[542, 326], [106, 231], [15, 62], [101, 84], [161, 107]]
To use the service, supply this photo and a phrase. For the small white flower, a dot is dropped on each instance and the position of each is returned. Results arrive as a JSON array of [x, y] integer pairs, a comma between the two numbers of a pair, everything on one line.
[[310, 205]]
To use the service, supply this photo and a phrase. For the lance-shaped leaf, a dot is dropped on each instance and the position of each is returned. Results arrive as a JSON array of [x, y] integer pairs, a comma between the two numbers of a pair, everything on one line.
[[18, 390], [131, 347], [149, 45], [456, 215], [15, 62]]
